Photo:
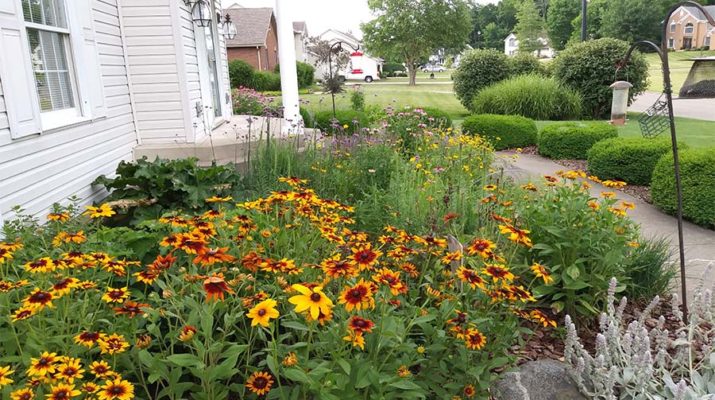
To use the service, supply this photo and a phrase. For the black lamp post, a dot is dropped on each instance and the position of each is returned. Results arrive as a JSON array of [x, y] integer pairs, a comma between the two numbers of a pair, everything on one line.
[[584, 19], [337, 46], [662, 51]]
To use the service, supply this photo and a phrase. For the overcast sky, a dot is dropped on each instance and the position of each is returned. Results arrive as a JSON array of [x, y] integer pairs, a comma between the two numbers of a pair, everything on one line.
[[321, 15]]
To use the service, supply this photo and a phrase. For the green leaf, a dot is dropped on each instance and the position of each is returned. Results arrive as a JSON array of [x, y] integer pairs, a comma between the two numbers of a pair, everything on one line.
[[185, 360], [297, 375], [405, 385], [344, 365]]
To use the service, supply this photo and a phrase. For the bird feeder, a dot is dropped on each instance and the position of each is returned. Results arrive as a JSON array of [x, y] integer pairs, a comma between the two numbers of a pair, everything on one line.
[[700, 83], [619, 106]]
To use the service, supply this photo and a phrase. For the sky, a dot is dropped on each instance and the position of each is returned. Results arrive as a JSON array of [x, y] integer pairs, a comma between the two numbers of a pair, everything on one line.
[[321, 15]]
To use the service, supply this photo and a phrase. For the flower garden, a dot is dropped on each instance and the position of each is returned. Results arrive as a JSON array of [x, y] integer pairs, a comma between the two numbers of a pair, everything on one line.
[[398, 265]]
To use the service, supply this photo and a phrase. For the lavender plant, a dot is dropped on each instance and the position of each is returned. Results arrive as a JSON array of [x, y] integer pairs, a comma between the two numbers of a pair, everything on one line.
[[643, 359]]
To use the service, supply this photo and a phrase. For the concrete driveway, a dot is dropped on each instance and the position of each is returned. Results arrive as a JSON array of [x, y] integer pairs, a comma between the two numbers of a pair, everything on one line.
[[690, 108]]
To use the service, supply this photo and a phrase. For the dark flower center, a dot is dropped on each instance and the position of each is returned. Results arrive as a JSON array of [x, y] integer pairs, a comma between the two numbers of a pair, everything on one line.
[[116, 390], [315, 297], [261, 312], [260, 382]]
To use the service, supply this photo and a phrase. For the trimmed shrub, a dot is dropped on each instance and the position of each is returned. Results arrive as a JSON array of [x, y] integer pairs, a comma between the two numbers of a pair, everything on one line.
[[525, 63], [573, 140], [354, 120], [308, 118], [697, 170], [264, 80], [531, 96], [437, 118], [477, 70], [306, 74], [631, 160], [391, 69], [503, 131], [591, 67], [240, 74]]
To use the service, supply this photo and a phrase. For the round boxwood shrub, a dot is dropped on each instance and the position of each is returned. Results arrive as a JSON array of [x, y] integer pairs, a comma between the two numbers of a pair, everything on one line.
[[631, 160], [697, 171], [265, 81], [477, 70], [503, 131], [591, 67], [353, 119], [526, 63], [437, 118], [531, 96], [306, 74], [240, 74], [573, 140], [308, 119]]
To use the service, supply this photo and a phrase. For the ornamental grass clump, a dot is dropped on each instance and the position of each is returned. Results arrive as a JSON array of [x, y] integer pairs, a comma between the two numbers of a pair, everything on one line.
[[278, 296], [647, 356]]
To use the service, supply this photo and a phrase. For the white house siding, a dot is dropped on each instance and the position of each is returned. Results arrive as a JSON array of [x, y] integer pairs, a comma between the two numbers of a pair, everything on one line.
[[191, 65], [155, 70], [37, 170]]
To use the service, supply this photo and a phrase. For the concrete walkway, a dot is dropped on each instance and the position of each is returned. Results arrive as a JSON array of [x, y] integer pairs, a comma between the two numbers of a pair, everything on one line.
[[690, 108], [699, 242]]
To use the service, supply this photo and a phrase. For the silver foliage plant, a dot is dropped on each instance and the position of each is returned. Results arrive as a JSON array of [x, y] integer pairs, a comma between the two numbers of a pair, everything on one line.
[[641, 359]]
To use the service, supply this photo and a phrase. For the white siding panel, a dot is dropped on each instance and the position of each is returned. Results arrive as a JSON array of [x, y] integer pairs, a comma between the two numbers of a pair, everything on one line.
[[39, 170], [191, 66]]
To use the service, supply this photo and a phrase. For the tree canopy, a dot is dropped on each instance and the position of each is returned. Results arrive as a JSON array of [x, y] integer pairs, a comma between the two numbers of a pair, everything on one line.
[[529, 28], [558, 23], [412, 30]]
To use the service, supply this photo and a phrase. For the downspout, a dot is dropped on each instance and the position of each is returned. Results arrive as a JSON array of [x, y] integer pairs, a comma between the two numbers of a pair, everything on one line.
[[258, 51], [125, 53]]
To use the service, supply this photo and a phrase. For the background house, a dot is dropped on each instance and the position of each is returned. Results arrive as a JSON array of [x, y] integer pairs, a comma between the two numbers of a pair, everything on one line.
[[107, 78], [511, 47], [688, 28], [367, 62], [257, 40], [300, 32]]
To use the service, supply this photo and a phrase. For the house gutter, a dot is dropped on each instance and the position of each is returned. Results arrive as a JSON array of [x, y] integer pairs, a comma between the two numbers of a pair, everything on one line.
[[125, 53]]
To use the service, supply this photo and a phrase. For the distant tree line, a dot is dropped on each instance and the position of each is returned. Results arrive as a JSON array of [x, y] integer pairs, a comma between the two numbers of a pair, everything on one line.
[[627, 20]]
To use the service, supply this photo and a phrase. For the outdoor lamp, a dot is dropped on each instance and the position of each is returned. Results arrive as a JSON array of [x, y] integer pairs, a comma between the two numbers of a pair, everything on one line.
[[619, 106], [201, 14], [229, 28]]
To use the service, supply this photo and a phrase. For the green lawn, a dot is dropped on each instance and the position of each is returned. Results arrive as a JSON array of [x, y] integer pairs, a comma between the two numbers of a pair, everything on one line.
[[694, 132], [679, 68], [396, 93]]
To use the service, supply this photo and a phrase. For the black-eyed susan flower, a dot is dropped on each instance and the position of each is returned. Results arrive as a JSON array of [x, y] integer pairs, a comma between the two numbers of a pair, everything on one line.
[[100, 369], [38, 299], [187, 333], [480, 246], [216, 199], [64, 286], [451, 257], [263, 312], [390, 278], [115, 295], [471, 277], [498, 272], [361, 325], [131, 308], [403, 371], [90, 387], [336, 267], [69, 370], [259, 383], [5, 373], [516, 235], [58, 217], [469, 391], [474, 339], [356, 339], [43, 265], [22, 394], [365, 256], [358, 296], [88, 338], [314, 301], [116, 389], [290, 360], [112, 344], [43, 365], [540, 271], [23, 313], [104, 210], [216, 287], [63, 391]]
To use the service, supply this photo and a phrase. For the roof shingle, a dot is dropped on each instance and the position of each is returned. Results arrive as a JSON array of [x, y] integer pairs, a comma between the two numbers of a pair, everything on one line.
[[252, 25]]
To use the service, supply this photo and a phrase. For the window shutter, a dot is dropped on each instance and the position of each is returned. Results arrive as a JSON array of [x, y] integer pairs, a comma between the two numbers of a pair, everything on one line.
[[18, 81], [87, 60]]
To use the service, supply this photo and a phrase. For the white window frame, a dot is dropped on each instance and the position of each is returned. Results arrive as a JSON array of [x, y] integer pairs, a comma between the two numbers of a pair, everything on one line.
[[51, 120], [690, 26], [708, 41], [672, 27], [671, 43]]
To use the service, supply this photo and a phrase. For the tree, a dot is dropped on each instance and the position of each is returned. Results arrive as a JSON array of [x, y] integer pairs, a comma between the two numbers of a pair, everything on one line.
[[415, 29], [632, 20], [530, 28], [492, 23], [558, 23]]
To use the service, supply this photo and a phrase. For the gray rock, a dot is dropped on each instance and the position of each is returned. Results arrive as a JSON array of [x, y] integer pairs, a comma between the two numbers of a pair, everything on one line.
[[537, 380]]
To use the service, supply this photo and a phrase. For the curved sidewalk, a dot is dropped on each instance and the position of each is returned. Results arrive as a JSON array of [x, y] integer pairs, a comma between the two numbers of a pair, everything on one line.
[[699, 242], [689, 108]]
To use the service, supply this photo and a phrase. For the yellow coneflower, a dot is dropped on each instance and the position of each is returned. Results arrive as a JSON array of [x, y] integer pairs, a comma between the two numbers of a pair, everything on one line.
[[314, 301], [103, 210], [116, 389], [259, 383], [541, 272], [100, 369], [22, 394], [63, 391], [358, 297], [263, 312], [290, 360], [5, 373], [112, 344], [43, 365]]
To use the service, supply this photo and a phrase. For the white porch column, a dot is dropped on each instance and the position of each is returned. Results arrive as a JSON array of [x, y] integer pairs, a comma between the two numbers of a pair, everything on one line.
[[289, 73]]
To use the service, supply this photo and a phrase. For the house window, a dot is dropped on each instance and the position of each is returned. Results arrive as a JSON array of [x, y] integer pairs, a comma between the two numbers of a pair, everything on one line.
[[689, 28], [707, 41], [512, 42], [672, 27], [671, 43], [48, 36]]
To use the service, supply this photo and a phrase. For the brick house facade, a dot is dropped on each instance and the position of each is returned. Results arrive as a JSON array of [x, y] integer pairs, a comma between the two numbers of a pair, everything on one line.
[[257, 39], [688, 29]]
